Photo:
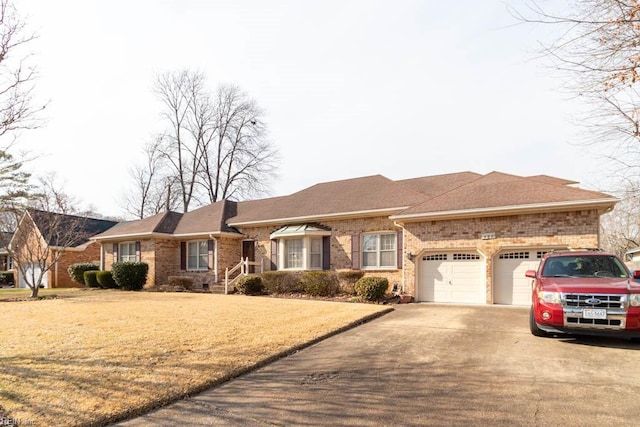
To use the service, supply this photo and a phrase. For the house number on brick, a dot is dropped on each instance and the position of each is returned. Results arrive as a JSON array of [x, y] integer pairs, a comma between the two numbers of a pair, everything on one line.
[[488, 236]]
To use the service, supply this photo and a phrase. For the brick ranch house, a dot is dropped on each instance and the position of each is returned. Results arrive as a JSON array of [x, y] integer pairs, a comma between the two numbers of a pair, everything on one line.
[[461, 237], [46, 243]]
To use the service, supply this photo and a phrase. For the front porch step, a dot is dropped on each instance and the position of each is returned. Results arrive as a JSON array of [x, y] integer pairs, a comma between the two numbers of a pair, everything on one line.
[[217, 288]]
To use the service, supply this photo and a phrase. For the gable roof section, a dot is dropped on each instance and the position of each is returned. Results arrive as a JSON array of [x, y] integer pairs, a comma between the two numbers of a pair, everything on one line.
[[162, 223], [64, 230], [204, 221], [208, 219], [503, 193], [364, 196], [432, 186]]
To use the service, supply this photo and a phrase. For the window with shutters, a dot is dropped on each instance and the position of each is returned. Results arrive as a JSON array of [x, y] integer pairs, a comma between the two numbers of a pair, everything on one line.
[[379, 250], [301, 253], [127, 252], [197, 255]]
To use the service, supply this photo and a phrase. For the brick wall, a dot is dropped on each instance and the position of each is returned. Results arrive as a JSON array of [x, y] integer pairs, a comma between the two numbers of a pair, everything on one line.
[[340, 241], [163, 258], [59, 276], [562, 229]]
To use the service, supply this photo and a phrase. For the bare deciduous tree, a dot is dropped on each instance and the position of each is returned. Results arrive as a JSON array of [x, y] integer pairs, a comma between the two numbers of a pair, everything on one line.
[[215, 147], [41, 233], [597, 50], [620, 229], [17, 75], [154, 189]]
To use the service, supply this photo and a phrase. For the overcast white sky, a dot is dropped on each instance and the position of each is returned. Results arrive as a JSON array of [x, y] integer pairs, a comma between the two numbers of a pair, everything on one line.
[[351, 88]]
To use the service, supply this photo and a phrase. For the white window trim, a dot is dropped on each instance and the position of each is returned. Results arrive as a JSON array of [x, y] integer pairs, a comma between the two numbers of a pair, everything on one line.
[[306, 253], [378, 266], [120, 252], [198, 268]]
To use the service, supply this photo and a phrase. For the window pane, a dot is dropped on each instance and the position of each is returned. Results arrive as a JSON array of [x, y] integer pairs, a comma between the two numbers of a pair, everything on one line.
[[316, 246], [316, 261], [293, 253], [369, 259], [370, 242], [388, 242], [388, 259]]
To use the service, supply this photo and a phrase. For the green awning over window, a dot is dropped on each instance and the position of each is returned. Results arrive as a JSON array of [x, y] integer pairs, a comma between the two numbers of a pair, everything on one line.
[[300, 230]]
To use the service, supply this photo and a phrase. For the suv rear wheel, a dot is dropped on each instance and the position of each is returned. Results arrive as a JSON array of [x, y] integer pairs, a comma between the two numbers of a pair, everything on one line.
[[535, 330]]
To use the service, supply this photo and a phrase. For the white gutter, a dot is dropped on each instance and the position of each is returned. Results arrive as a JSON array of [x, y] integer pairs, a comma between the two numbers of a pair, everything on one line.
[[334, 216], [215, 257]]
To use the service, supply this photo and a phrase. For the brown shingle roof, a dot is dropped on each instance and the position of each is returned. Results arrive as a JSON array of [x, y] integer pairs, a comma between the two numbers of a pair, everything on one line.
[[498, 190], [350, 196], [163, 222], [207, 219], [432, 186]]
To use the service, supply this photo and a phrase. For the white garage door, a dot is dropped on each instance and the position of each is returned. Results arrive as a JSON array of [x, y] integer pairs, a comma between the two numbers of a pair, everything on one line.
[[452, 277], [33, 272], [510, 286]]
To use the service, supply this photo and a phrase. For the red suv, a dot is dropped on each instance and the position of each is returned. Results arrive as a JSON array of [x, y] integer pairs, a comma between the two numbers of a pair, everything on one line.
[[584, 292]]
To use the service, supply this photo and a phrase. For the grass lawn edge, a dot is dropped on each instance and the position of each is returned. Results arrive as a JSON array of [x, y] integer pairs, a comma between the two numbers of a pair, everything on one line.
[[157, 404]]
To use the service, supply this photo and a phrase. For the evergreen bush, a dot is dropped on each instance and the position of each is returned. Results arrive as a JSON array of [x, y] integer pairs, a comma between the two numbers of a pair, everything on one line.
[[90, 278], [131, 276], [76, 271], [372, 288], [105, 279], [320, 283], [250, 285], [281, 282]]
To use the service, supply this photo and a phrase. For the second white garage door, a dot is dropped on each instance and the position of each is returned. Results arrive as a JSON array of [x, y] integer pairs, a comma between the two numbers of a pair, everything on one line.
[[510, 286], [458, 277]]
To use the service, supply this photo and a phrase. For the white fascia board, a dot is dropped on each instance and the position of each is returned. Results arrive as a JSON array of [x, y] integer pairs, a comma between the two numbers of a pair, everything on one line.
[[148, 235], [332, 216], [206, 234], [510, 210], [276, 235]]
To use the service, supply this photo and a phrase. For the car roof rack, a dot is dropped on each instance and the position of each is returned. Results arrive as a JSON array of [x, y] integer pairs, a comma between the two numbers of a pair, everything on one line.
[[569, 250]]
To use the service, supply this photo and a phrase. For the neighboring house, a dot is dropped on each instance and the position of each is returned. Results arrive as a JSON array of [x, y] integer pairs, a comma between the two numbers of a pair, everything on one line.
[[461, 237], [6, 262], [48, 243]]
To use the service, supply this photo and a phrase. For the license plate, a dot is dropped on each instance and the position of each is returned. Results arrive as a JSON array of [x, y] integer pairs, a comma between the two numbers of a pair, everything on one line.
[[594, 313]]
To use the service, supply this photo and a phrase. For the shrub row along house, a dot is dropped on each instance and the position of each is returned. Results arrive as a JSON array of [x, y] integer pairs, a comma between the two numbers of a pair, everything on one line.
[[461, 237]]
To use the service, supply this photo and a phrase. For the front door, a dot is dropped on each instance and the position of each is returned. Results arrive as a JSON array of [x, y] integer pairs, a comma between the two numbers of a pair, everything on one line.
[[249, 251]]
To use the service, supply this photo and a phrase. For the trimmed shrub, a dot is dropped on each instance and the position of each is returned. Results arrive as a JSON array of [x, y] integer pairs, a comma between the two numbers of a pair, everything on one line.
[[250, 285], [130, 275], [90, 278], [372, 288], [281, 282], [76, 271], [320, 283], [348, 279], [7, 278], [105, 279], [185, 282]]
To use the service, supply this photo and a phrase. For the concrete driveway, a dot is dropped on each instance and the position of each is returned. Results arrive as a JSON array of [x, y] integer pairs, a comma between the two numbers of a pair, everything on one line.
[[427, 364]]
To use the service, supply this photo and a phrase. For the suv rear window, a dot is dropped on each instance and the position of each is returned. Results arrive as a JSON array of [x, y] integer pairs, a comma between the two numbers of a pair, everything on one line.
[[584, 266]]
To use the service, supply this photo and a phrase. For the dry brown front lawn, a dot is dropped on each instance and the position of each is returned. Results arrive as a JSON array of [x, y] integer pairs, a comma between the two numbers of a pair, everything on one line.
[[100, 356]]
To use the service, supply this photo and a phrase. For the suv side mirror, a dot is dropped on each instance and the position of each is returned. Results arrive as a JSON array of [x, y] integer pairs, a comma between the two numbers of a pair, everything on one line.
[[636, 274], [531, 274]]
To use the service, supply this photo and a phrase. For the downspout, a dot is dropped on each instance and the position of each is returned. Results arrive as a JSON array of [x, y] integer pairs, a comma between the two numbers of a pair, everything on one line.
[[215, 257], [404, 240]]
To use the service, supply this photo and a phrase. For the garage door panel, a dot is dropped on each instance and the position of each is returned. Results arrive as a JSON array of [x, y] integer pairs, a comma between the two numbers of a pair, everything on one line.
[[452, 277], [510, 284]]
